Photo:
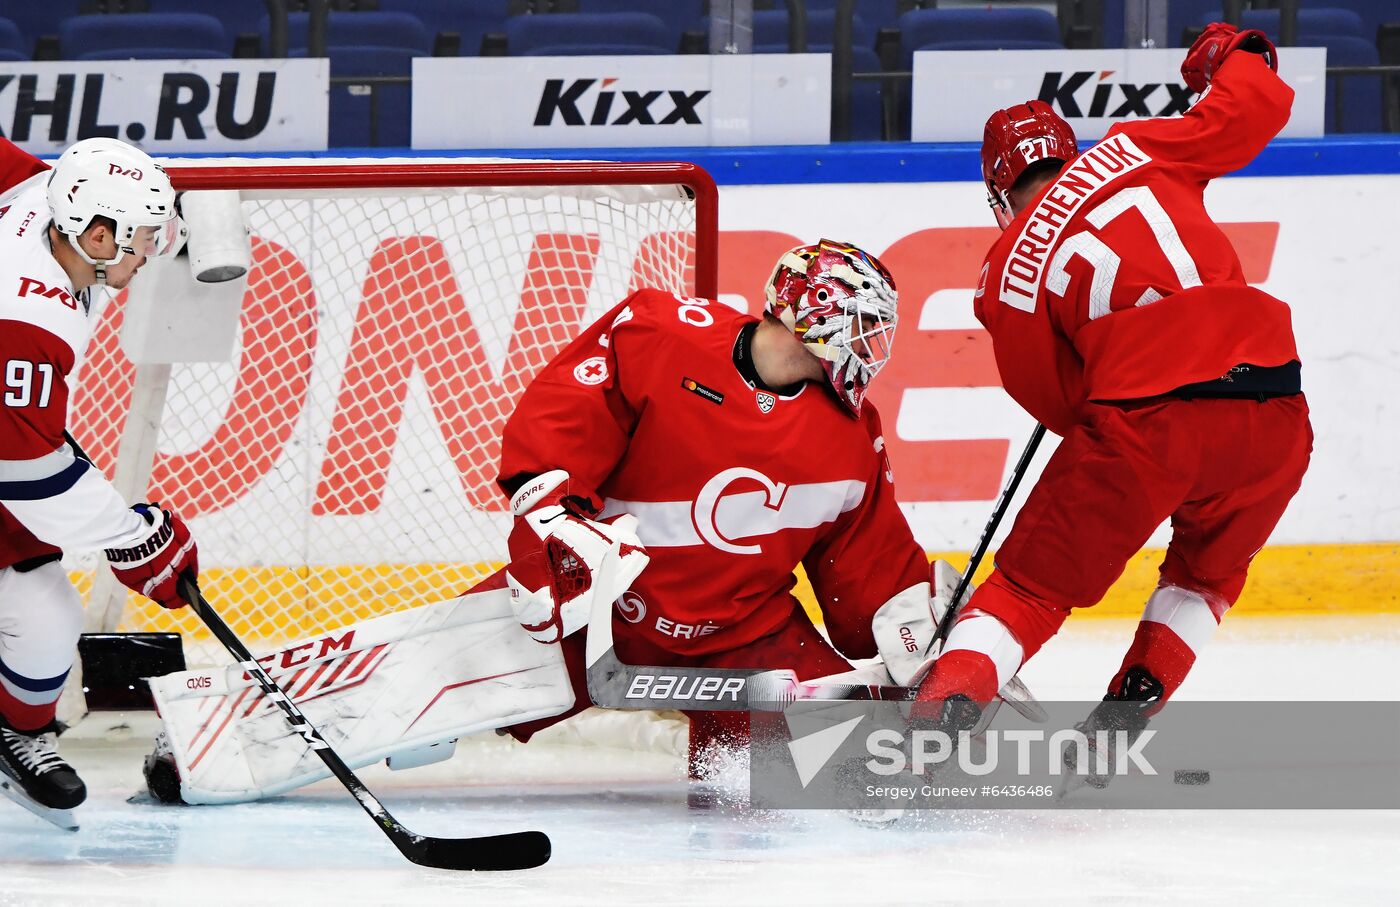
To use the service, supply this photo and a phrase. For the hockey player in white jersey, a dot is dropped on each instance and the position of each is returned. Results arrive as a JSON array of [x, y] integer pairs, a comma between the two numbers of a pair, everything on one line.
[[67, 236]]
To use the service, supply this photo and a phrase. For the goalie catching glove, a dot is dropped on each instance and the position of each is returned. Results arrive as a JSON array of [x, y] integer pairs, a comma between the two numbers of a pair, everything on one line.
[[153, 566], [560, 557], [905, 626]]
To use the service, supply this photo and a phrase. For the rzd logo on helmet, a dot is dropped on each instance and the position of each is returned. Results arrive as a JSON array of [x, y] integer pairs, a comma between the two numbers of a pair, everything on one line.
[[118, 170]]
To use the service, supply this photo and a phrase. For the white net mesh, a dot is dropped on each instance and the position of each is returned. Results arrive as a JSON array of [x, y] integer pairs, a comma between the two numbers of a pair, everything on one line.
[[342, 464]]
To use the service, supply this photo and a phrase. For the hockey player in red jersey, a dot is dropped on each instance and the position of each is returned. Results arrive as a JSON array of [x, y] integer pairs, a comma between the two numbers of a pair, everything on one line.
[[730, 449], [67, 235], [1121, 320]]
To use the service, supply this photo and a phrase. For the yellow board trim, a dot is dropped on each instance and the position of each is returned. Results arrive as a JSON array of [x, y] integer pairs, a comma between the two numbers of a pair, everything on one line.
[[273, 604]]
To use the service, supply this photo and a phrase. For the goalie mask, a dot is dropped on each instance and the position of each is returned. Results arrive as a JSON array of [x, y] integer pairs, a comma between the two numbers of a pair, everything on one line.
[[1016, 138], [840, 301], [109, 178]]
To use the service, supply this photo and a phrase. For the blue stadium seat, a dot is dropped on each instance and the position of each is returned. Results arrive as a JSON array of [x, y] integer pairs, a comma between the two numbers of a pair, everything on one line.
[[587, 34], [472, 19], [1372, 12], [1361, 95], [867, 112], [680, 16], [867, 98], [401, 31], [1311, 22], [144, 36], [13, 45], [770, 30], [1181, 15], [877, 13], [240, 17], [991, 44], [977, 29], [36, 18], [366, 44], [360, 119]]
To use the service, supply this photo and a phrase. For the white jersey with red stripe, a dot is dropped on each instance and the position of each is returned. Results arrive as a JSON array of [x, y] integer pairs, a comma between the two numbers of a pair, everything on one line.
[[733, 484], [49, 498]]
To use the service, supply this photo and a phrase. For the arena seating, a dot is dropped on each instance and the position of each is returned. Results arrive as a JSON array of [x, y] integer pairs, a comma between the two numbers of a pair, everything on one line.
[[13, 46], [376, 40], [587, 34], [144, 36]]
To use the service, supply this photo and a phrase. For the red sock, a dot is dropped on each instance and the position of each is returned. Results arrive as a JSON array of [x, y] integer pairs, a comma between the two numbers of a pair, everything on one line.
[[24, 717], [1158, 650]]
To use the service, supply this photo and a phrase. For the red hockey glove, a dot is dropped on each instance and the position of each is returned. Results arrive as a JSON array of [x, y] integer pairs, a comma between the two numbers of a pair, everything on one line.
[[153, 566], [562, 558], [1216, 43]]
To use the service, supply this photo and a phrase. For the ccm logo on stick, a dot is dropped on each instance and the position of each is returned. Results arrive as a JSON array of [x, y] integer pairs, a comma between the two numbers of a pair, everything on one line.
[[670, 686]]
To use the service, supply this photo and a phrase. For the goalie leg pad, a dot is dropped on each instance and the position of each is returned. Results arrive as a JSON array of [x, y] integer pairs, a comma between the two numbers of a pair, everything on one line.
[[392, 685]]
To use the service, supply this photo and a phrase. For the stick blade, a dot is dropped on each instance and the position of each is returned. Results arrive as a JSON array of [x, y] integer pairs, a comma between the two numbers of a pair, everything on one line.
[[491, 853]]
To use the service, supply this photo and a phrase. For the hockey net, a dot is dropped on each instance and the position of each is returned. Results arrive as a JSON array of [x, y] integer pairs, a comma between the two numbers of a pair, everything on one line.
[[339, 462]]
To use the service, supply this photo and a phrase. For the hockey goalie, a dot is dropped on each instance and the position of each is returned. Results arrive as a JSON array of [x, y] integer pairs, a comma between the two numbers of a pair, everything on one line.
[[707, 453]]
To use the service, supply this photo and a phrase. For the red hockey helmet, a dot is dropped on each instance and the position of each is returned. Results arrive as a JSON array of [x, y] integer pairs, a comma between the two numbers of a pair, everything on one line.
[[840, 301], [1014, 139]]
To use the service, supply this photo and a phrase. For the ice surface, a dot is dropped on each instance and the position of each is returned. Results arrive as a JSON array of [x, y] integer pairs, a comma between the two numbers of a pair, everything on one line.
[[623, 835]]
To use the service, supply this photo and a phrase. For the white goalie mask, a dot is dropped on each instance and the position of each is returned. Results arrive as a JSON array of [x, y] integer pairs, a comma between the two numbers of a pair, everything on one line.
[[109, 178], [841, 302]]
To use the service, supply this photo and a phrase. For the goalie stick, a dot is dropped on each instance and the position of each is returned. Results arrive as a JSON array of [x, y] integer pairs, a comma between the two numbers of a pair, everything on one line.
[[614, 685], [516, 850]]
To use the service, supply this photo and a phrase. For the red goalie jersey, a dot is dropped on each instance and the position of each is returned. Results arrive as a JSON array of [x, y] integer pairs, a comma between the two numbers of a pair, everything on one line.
[[732, 486], [1116, 280]]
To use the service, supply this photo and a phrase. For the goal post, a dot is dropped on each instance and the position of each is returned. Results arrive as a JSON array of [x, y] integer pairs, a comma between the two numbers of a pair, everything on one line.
[[332, 439]]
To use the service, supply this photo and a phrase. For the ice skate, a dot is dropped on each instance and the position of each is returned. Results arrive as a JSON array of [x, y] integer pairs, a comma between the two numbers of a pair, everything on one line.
[[33, 775]]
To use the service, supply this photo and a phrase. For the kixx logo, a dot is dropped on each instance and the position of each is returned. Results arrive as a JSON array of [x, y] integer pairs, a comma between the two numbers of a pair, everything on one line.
[[1070, 95], [607, 107]]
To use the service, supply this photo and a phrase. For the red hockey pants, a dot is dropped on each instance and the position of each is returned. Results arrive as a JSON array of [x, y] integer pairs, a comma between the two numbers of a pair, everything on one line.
[[1222, 470]]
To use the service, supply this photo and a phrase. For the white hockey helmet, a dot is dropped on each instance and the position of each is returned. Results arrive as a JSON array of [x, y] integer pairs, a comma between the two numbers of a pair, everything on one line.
[[109, 178], [841, 302]]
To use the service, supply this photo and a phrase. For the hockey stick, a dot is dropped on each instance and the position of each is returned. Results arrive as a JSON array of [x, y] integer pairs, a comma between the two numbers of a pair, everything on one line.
[[993, 521], [517, 850], [615, 685], [1014, 692]]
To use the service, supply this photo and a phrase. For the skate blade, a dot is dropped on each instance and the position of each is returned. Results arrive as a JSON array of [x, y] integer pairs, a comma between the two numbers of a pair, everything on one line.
[[62, 818], [1017, 695]]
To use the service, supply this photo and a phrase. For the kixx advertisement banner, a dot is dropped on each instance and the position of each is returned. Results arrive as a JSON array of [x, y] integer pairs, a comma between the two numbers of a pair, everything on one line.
[[564, 102], [955, 91], [167, 106]]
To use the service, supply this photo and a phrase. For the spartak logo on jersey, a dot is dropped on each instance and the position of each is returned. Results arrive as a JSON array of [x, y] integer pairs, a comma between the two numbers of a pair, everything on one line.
[[765, 401], [631, 607]]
